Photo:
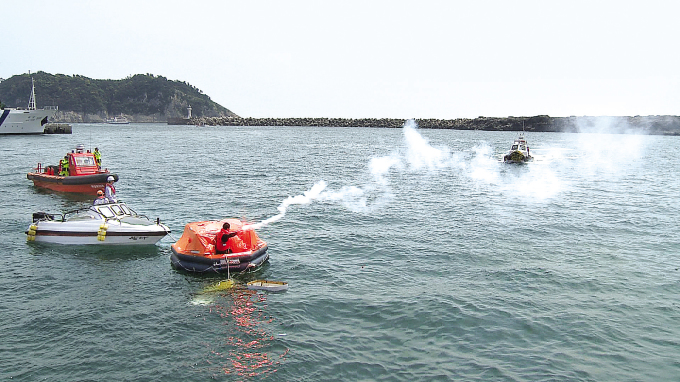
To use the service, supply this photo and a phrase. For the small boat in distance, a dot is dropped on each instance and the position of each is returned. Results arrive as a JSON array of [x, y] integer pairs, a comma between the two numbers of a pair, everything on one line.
[[84, 175], [195, 250], [519, 151], [118, 121], [102, 224], [26, 121]]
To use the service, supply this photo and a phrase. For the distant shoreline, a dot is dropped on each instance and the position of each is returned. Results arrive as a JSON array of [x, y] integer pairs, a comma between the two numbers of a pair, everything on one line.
[[657, 125]]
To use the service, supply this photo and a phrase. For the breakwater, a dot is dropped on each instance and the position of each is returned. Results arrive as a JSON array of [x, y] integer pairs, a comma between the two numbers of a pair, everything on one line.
[[660, 125]]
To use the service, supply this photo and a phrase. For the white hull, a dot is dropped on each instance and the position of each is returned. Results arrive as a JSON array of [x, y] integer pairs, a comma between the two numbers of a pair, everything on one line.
[[133, 239], [90, 227], [272, 286], [17, 121]]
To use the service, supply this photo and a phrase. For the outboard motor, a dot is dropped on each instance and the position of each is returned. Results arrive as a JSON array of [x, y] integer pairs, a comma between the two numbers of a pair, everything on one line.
[[38, 216]]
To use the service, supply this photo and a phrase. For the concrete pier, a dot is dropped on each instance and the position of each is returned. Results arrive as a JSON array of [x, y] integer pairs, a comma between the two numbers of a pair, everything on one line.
[[58, 128]]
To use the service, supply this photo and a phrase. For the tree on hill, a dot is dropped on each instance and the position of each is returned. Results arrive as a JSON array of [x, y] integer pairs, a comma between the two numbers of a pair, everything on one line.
[[143, 94]]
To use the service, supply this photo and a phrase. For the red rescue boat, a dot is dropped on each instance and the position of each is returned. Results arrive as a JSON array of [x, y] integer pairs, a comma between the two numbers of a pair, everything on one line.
[[83, 175]]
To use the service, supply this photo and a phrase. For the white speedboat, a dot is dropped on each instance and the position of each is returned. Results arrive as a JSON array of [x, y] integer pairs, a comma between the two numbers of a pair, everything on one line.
[[519, 152], [107, 224], [25, 121]]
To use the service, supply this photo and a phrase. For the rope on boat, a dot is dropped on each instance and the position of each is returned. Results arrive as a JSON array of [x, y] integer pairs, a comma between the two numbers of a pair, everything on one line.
[[172, 237]]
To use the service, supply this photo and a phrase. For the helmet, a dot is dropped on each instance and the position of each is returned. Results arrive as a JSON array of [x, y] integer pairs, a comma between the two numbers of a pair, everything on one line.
[[110, 179], [100, 192]]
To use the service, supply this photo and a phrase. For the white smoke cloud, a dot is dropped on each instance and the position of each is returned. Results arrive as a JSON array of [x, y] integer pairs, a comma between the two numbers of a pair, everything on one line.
[[420, 155], [536, 182], [306, 198]]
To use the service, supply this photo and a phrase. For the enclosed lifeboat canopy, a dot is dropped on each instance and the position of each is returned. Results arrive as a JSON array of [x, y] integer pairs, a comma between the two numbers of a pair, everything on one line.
[[199, 237], [195, 250]]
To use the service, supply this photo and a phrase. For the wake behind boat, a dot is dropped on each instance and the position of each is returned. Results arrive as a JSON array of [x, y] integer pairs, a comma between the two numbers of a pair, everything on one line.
[[519, 151], [26, 121], [103, 224]]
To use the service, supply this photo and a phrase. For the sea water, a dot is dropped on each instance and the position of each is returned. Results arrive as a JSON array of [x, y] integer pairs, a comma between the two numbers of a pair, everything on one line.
[[410, 255]]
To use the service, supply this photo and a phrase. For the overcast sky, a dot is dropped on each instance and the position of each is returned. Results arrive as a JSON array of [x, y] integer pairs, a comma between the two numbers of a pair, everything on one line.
[[381, 59]]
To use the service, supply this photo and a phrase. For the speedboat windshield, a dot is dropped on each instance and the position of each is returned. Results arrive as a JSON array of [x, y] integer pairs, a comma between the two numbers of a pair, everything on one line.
[[116, 210]]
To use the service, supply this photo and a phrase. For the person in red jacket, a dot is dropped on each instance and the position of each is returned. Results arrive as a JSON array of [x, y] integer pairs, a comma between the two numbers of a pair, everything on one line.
[[222, 244]]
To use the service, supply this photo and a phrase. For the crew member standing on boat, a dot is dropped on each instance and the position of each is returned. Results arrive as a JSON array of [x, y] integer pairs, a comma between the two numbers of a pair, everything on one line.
[[63, 166], [222, 244], [97, 157], [110, 190], [101, 199]]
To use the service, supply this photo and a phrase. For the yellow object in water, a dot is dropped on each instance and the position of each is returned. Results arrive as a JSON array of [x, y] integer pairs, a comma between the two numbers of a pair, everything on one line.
[[220, 286]]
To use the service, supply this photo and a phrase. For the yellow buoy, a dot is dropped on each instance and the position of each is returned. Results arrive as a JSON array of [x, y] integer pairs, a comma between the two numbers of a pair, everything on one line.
[[101, 234], [32, 229]]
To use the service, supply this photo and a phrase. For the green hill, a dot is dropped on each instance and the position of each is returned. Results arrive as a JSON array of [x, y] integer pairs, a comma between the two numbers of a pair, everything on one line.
[[141, 98]]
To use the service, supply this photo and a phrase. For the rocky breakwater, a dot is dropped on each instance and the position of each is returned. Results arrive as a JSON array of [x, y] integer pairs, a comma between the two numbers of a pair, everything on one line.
[[661, 125], [540, 123]]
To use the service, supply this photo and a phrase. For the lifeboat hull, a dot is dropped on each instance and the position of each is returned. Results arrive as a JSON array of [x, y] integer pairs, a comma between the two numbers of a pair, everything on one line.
[[83, 184], [233, 262]]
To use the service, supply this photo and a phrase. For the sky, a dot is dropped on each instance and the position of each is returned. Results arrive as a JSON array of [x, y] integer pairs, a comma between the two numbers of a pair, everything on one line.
[[368, 59]]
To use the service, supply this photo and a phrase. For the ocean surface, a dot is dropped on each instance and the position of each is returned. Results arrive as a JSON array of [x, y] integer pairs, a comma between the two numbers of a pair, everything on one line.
[[411, 255]]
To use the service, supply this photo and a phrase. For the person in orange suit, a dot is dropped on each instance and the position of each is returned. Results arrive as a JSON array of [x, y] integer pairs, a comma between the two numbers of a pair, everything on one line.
[[222, 239]]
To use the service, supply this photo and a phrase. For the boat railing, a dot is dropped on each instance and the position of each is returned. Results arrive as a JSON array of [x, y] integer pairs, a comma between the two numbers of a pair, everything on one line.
[[44, 216], [76, 211]]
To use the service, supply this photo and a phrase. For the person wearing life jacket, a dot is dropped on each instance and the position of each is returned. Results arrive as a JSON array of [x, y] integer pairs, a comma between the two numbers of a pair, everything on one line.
[[63, 166], [222, 244], [110, 190], [97, 157], [101, 199]]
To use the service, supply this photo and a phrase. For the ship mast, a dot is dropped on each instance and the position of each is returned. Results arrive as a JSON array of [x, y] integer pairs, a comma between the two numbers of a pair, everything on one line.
[[31, 101]]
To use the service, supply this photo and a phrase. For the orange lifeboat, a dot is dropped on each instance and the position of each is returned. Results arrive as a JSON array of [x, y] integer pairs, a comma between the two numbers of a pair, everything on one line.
[[195, 250]]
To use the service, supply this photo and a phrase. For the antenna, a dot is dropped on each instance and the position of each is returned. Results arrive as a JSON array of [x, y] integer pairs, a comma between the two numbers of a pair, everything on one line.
[[31, 101]]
